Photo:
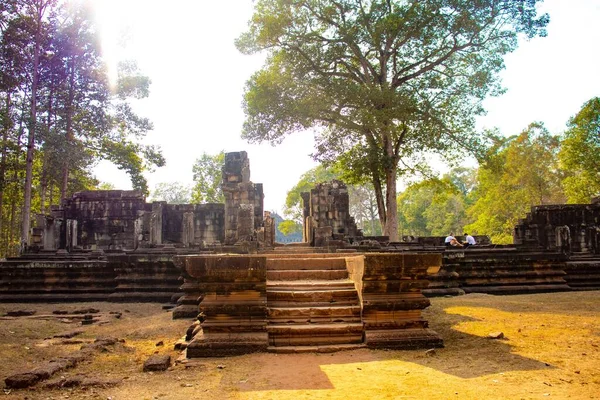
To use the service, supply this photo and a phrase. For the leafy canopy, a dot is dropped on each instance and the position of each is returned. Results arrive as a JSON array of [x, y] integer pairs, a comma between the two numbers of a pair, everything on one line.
[[580, 154], [208, 176], [518, 173], [381, 80]]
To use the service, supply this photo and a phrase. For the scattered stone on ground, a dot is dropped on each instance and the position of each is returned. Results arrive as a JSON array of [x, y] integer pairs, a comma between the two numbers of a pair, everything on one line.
[[86, 311], [180, 344], [20, 313], [157, 362], [496, 335], [68, 335], [430, 353], [43, 372], [81, 381]]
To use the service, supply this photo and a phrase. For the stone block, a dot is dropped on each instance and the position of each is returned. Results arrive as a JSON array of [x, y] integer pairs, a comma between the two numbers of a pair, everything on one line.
[[157, 362]]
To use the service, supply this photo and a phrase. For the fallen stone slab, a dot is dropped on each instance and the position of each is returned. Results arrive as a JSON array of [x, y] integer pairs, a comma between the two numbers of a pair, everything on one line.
[[20, 313], [21, 381], [157, 362], [86, 311], [68, 335]]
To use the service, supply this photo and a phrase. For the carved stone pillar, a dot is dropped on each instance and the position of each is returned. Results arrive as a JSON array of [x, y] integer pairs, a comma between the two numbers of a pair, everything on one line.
[[156, 222], [188, 233]]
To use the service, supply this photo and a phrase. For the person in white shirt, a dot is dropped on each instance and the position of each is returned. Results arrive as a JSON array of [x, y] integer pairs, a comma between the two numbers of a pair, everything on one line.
[[469, 240], [451, 241]]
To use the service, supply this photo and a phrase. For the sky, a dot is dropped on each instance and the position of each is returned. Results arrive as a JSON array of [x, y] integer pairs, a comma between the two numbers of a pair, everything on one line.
[[198, 77]]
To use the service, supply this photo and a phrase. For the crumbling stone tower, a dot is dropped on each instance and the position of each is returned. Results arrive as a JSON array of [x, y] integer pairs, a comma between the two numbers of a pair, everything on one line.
[[243, 199], [327, 214]]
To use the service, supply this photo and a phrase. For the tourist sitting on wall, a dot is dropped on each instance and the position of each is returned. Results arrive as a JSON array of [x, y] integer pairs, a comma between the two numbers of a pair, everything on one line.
[[469, 240], [451, 241]]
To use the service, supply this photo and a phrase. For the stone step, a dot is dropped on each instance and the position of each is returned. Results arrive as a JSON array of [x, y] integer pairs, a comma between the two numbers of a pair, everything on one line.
[[512, 281], [322, 274], [517, 289], [150, 296], [281, 298], [315, 334], [310, 284], [314, 314], [308, 263], [296, 244], [327, 348], [53, 297], [296, 250]]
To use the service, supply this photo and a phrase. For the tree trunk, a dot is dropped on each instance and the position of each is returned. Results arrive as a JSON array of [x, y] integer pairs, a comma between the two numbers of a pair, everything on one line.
[[391, 223], [69, 130], [391, 168], [380, 199], [3, 159], [44, 177], [31, 136]]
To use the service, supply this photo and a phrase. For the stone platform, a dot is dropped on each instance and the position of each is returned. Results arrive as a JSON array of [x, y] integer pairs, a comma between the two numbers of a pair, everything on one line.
[[499, 270], [307, 302], [148, 276]]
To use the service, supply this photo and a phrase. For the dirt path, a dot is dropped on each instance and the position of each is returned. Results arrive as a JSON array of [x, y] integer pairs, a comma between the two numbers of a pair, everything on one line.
[[551, 349]]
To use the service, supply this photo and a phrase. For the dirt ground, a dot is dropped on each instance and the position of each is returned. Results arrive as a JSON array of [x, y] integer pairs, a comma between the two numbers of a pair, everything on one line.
[[550, 350]]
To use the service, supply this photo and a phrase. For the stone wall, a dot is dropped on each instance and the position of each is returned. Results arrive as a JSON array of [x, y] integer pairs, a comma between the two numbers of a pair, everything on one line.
[[327, 214], [568, 228], [194, 225], [103, 219], [122, 220]]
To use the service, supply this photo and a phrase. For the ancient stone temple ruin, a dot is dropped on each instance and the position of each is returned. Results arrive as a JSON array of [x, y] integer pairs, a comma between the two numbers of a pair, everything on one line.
[[220, 265], [116, 220], [568, 228]]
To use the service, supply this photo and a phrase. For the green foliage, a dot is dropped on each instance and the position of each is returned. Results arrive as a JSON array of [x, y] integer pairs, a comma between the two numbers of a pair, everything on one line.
[[383, 81], [518, 172], [171, 192], [435, 207], [208, 176], [106, 186], [580, 154], [289, 227]]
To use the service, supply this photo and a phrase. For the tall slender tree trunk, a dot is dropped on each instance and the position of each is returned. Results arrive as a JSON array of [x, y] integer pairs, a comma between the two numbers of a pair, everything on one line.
[[69, 130], [40, 7], [5, 131]]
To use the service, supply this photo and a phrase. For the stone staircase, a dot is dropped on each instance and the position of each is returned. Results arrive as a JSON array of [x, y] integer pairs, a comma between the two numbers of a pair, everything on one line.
[[312, 305], [583, 272]]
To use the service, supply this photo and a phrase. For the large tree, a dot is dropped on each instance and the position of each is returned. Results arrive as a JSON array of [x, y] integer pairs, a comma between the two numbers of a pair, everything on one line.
[[580, 154], [386, 79]]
